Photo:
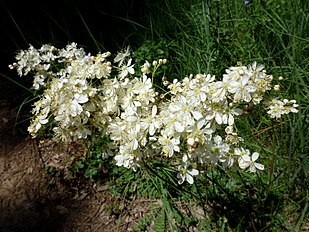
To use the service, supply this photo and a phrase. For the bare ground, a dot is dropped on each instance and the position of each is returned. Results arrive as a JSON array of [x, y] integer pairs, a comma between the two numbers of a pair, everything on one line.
[[28, 203]]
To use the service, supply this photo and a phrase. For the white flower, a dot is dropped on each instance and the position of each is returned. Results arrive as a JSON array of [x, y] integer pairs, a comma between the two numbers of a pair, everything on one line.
[[151, 123], [143, 89], [218, 149], [38, 81], [124, 159], [191, 141], [186, 174], [37, 123], [175, 87], [220, 89], [290, 106], [116, 129], [241, 151], [277, 108], [126, 69], [255, 68], [169, 145], [197, 89], [249, 162], [121, 56], [242, 89], [184, 112], [222, 113], [145, 68], [75, 108]]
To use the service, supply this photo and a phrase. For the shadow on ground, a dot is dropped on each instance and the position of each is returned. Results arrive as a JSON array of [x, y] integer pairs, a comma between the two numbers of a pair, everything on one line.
[[26, 204]]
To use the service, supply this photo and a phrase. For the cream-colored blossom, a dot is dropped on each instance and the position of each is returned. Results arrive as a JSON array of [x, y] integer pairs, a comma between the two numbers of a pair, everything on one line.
[[277, 108], [169, 145], [247, 162], [121, 56], [193, 123], [186, 173], [126, 69]]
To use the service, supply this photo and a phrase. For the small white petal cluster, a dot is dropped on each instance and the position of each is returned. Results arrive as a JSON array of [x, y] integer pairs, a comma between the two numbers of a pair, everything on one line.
[[278, 108], [191, 126]]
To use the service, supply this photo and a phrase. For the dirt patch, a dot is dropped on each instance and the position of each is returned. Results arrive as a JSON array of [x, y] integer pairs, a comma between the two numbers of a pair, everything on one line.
[[28, 203]]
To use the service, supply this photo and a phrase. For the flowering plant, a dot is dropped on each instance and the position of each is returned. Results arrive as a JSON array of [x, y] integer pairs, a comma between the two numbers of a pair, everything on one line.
[[191, 125]]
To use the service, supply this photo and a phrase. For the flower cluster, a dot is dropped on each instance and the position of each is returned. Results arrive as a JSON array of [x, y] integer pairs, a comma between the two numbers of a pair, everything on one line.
[[191, 125], [278, 108]]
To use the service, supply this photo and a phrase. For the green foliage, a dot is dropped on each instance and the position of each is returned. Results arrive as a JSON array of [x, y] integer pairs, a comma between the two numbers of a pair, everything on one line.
[[93, 164], [210, 34], [204, 36], [150, 51], [52, 171]]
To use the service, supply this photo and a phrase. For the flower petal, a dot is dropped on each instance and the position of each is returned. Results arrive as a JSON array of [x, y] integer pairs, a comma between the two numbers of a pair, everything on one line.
[[193, 172], [259, 166], [255, 156], [189, 179], [246, 158]]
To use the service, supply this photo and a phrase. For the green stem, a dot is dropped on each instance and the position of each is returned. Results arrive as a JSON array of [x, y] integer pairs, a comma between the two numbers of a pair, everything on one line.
[[271, 169]]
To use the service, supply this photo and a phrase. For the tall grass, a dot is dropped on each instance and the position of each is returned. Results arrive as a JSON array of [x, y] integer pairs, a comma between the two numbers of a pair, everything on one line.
[[208, 36]]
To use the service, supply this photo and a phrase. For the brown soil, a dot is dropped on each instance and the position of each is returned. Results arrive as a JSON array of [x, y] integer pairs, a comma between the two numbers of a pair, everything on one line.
[[29, 203]]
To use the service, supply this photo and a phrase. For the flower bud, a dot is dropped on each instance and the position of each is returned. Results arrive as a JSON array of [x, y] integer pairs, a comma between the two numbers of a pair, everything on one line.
[[277, 87], [229, 130], [165, 83], [191, 141]]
